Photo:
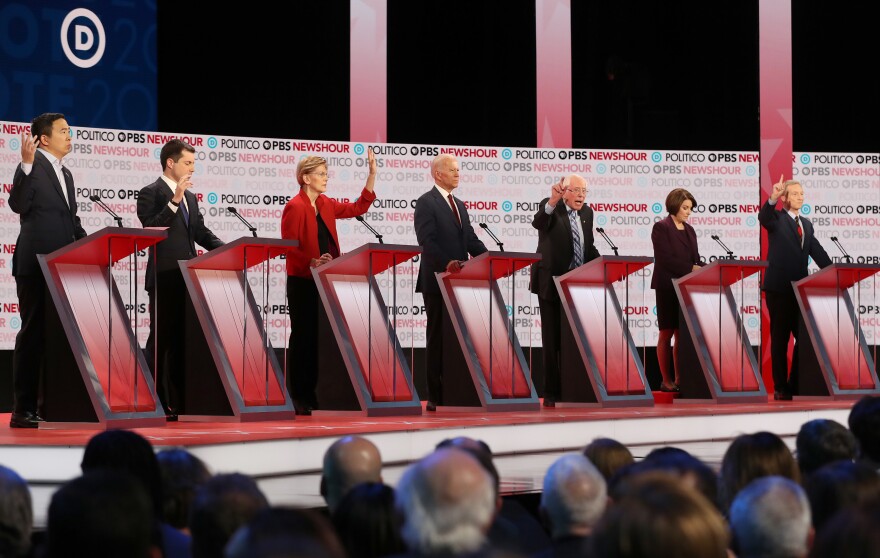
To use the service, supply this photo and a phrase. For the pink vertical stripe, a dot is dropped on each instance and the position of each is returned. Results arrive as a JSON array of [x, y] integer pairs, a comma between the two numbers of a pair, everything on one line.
[[368, 93], [774, 53], [553, 72]]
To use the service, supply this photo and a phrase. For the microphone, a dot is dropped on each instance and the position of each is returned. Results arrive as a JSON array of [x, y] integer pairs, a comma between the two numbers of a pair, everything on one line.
[[846, 256], [500, 244], [252, 228], [601, 231], [369, 228], [97, 199], [728, 250]]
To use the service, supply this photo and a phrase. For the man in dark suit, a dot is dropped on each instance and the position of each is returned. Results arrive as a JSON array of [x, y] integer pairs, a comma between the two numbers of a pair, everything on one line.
[[43, 195], [565, 241], [169, 203], [446, 236], [791, 244]]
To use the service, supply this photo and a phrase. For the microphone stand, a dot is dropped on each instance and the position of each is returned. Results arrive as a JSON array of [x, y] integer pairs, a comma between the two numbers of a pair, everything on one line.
[[601, 231], [728, 250], [95, 198], [846, 256], [369, 228], [250, 227], [500, 244]]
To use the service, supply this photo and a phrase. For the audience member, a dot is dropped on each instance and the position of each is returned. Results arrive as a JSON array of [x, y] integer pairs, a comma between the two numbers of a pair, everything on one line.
[[573, 500], [221, 506], [280, 532], [823, 441], [864, 423], [839, 485], [752, 456], [349, 461], [182, 473], [852, 533], [16, 514], [608, 456], [771, 517], [367, 522]]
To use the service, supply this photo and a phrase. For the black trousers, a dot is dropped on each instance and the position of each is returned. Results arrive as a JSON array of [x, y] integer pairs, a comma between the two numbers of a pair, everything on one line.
[[785, 318], [30, 343], [302, 349], [435, 309], [551, 313], [167, 340]]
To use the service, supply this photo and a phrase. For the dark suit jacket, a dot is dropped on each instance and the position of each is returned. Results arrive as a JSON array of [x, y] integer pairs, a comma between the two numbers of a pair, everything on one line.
[[786, 260], [556, 247], [440, 237], [153, 211], [675, 254], [47, 221]]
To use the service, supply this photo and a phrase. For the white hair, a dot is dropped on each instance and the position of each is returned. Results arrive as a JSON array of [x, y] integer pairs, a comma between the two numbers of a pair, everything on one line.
[[770, 518], [436, 520], [574, 495]]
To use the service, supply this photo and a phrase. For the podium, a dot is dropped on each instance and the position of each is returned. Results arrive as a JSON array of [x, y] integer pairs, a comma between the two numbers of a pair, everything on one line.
[[96, 374], [486, 368], [713, 337], [836, 362], [363, 368], [232, 373], [600, 365]]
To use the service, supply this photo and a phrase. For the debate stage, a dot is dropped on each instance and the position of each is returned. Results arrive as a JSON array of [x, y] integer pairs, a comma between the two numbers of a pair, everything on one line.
[[285, 456]]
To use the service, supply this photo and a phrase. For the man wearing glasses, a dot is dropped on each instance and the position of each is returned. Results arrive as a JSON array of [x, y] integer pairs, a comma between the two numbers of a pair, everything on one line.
[[565, 241]]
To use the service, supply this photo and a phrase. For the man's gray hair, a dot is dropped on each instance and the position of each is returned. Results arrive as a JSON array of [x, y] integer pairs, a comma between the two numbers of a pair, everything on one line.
[[770, 518], [574, 495], [16, 510]]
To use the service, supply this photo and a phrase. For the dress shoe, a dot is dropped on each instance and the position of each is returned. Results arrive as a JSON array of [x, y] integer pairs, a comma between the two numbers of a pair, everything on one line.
[[430, 406], [670, 388], [302, 408], [28, 419], [781, 396], [549, 402]]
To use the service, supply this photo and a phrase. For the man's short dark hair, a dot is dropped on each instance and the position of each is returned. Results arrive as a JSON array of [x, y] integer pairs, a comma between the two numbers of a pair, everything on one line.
[[823, 441]]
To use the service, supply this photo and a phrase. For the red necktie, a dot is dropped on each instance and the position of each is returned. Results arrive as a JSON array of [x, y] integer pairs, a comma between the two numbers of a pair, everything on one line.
[[797, 223], [454, 209]]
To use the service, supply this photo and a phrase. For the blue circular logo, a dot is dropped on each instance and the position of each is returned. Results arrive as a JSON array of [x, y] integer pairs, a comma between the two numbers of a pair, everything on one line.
[[750, 170], [212, 142], [212, 198], [358, 149], [343, 175], [13, 144], [654, 310], [601, 220], [343, 227], [493, 179], [643, 233], [805, 159], [806, 209], [751, 221], [642, 181], [600, 168], [506, 205], [509, 310], [657, 207], [656, 157], [506, 153], [158, 152], [753, 322], [15, 322]]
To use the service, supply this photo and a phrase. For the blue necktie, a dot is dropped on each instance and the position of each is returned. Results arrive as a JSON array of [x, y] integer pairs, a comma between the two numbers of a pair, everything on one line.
[[578, 258], [184, 212]]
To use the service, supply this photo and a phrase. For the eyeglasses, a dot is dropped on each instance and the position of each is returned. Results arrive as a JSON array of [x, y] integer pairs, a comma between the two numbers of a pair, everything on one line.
[[321, 174], [578, 191]]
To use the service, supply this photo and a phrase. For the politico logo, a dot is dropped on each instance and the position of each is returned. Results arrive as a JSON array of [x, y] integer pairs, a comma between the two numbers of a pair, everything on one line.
[[82, 38]]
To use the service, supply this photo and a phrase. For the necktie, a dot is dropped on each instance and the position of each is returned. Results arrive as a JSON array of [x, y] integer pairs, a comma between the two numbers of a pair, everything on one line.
[[454, 209], [60, 174], [184, 212], [578, 258], [800, 231]]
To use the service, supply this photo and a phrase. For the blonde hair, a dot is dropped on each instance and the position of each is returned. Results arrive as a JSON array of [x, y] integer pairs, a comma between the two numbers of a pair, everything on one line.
[[307, 165]]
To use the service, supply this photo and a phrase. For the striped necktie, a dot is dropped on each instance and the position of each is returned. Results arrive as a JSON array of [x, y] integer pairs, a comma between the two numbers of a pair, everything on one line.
[[578, 258]]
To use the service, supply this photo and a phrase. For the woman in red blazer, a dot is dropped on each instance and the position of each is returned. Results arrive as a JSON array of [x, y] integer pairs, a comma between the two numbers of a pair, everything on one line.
[[675, 255], [310, 217]]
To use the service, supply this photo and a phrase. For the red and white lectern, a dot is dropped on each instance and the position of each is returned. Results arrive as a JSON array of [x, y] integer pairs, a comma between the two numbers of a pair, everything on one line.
[[232, 372], [98, 377], [487, 367], [363, 368], [599, 360], [836, 361], [713, 337]]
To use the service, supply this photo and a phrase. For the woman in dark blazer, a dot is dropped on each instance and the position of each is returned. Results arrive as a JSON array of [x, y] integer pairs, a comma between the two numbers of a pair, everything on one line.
[[675, 255], [310, 217]]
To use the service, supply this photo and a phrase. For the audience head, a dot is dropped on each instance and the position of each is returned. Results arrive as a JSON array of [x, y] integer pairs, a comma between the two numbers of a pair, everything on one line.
[[771, 517], [839, 485], [675, 462], [282, 532], [349, 461], [125, 450], [480, 451], [182, 473], [823, 441], [608, 456], [447, 501], [752, 456], [657, 515], [367, 522], [574, 496], [222, 505], [864, 423], [16, 514], [852, 533], [103, 513]]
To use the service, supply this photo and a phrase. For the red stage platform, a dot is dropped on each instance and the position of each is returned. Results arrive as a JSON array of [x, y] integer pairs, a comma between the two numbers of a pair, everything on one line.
[[285, 456]]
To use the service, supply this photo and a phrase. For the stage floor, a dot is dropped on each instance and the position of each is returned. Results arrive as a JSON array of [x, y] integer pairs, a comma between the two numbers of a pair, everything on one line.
[[285, 456]]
